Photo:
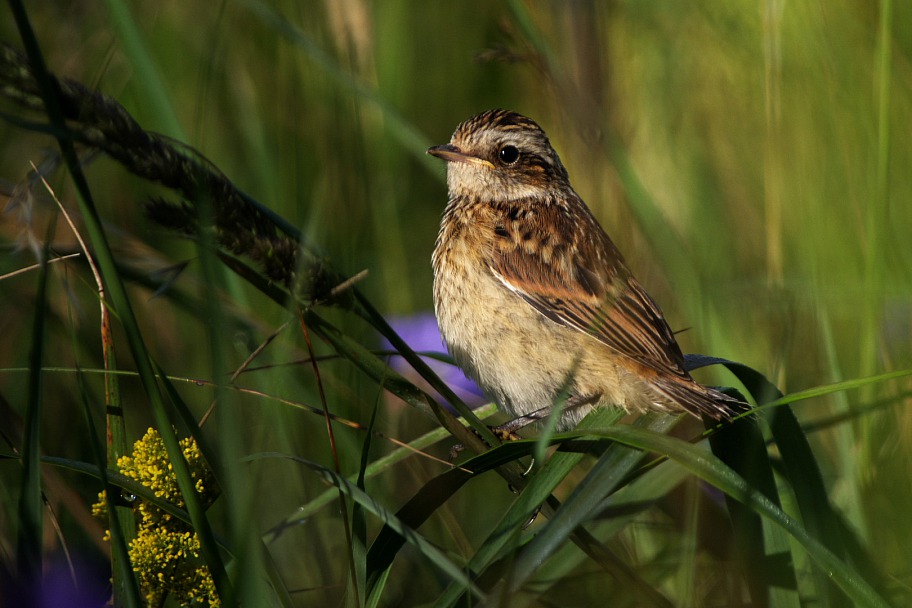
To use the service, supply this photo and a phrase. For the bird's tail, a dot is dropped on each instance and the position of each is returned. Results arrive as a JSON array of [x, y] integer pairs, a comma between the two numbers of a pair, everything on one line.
[[700, 400]]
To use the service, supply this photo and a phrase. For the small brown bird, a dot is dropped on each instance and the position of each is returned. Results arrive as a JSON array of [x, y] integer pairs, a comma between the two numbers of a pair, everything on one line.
[[533, 299]]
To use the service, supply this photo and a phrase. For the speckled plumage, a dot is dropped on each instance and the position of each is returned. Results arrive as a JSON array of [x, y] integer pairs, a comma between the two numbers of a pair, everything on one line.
[[531, 294]]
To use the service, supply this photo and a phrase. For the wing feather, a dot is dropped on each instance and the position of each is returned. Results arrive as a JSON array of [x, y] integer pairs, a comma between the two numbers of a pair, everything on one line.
[[575, 276]]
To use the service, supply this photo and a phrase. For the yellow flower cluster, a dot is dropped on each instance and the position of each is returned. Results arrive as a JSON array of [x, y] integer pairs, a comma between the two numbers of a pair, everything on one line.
[[167, 563], [165, 554]]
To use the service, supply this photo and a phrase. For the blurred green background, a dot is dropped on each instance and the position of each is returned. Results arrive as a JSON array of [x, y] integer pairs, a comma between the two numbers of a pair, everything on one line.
[[751, 159]]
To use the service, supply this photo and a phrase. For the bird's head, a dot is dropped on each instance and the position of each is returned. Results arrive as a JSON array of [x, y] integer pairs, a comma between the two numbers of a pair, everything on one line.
[[501, 156]]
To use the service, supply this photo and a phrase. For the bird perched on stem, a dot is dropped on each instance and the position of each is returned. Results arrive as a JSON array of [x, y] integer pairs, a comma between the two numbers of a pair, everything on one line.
[[534, 300]]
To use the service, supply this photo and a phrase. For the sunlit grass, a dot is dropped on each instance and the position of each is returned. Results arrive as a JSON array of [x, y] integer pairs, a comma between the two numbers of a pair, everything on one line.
[[750, 161]]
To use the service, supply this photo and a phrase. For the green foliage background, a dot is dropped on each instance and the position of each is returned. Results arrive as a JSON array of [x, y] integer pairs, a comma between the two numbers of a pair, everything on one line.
[[750, 158]]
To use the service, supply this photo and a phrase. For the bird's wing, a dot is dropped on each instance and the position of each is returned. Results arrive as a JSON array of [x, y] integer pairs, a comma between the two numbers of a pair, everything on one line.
[[557, 258]]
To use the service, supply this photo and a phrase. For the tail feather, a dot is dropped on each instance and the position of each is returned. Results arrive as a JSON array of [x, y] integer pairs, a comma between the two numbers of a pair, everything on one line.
[[700, 400]]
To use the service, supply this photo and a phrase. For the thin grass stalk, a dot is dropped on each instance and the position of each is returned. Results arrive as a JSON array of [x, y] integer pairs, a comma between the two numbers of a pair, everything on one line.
[[437, 557], [401, 128], [850, 461], [876, 218], [343, 506], [373, 469], [687, 575], [154, 90], [50, 94], [116, 439], [31, 505], [876, 209], [359, 522], [116, 443], [229, 446], [772, 172], [125, 586]]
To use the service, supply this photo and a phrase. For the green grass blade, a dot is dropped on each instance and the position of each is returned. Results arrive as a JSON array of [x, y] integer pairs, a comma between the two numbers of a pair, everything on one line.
[[124, 311], [800, 468], [620, 510], [116, 446], [127, 587], [31, 505], [403, 130], [712, 470], [359, 522], [759, 545], [154, 90], [390, 539], [505, 536], [378, 466], [378, 370], [431, 497], [587, 500], [244, 540], [428, 550]]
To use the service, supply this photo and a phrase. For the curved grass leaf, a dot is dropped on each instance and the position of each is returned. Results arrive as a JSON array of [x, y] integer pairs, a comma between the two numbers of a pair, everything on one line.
[[587, 500], [619, 510], [373, 469], [431, 496], [390, 520], [712, 470], [799, 466], [505, 540], [762, 549]]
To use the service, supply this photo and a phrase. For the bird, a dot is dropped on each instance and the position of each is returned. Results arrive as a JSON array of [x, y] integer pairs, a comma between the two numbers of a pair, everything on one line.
[[533, 299]]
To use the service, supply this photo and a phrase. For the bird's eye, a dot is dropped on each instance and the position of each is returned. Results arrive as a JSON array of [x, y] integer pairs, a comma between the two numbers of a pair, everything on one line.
[[508, 155]]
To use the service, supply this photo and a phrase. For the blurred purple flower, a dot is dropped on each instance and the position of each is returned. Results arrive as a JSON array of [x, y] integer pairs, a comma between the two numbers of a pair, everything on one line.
[[420, 331], [90, 589]]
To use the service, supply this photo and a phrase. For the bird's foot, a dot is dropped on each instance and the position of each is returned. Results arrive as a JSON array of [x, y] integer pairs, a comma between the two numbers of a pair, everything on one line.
[[503, 433]]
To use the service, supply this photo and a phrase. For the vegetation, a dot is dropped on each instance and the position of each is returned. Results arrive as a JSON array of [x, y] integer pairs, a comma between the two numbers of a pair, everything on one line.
[[248, 161]]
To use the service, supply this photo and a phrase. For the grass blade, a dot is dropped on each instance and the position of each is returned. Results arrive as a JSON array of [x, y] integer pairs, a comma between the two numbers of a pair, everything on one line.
[[31, 505], [712, 470], [122, 307], [435, 555]]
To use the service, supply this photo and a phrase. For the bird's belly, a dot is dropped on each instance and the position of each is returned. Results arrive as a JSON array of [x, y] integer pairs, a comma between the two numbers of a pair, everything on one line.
[[520, 359]]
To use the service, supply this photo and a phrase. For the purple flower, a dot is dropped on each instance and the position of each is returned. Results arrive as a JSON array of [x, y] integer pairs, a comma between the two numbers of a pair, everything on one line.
[[86, 587], [421, 333]]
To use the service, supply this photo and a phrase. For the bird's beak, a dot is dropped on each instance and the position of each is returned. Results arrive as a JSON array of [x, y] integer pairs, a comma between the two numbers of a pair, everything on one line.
[[451, 153]]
